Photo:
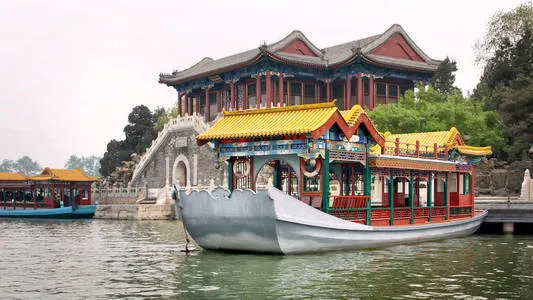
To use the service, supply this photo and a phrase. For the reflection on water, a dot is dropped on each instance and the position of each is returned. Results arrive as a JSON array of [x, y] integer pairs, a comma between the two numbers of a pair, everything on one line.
[[114, 259]]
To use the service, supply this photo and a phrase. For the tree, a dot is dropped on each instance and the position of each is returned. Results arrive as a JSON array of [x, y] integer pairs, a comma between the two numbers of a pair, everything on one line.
[[8, 165], [25, 165], [90, 164], [140, 131], [431, 110], [444, 78], [139, 135], [506, 83]]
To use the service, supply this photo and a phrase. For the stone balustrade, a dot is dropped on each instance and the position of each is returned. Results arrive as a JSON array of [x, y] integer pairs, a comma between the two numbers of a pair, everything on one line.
[[194, 121]]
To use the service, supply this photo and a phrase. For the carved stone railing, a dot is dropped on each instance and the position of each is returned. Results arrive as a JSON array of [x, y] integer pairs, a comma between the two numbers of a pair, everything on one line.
[[117, 195], [194, 121]]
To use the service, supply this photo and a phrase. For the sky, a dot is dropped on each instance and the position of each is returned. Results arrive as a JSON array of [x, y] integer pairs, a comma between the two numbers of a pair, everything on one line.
[[71, 71]]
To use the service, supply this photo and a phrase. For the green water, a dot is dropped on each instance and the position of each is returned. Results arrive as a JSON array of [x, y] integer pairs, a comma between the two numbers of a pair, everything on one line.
[[97, 259]]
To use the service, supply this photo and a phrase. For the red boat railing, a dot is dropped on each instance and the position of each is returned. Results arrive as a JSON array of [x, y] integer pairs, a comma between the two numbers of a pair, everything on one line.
[[358, 209]]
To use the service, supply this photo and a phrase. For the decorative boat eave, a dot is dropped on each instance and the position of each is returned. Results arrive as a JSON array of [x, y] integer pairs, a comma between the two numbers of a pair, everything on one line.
[[399, 162]]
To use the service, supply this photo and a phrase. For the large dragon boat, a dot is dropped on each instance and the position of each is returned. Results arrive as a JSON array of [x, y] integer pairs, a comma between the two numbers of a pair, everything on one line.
[[314, 178]]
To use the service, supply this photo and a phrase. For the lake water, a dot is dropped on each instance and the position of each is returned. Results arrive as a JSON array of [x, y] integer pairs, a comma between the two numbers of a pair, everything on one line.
[[100, 259]]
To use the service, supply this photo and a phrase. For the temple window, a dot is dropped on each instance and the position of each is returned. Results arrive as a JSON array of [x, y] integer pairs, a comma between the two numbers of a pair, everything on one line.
[[393, 94], [212, 106], [309, 91], [381, 93], [296, 93], [338, 93], [252, 103], [201, 109]]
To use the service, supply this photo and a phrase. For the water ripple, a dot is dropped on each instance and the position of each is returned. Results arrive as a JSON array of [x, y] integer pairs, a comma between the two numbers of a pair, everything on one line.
[[99, 259]]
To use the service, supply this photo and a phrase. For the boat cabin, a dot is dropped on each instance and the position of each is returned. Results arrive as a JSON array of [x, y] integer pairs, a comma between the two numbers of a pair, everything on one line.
[[52, 188], [336, 161]]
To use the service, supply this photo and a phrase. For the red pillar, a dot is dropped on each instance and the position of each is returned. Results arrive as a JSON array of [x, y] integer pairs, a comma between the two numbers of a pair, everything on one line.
[[386, 93], [219, 101], [258, 90], [360, 93], [302, 92], [288, 92], [206, 110], [268, 90], [398, 92], [232, 95], [186, 98], [371, 92], [328, 90], [317, 91], [347, 97], [281, 99], [180, 100]]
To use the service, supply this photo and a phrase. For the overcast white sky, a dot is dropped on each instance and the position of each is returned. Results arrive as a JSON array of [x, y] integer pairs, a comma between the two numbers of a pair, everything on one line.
[[71, 71]]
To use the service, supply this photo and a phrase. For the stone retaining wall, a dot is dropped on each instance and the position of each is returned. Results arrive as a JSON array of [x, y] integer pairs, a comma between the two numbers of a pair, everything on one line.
[[136, 212], [498, 178]]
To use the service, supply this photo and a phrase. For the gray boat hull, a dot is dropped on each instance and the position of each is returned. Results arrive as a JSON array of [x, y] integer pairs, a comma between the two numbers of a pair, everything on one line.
[[274, 222]]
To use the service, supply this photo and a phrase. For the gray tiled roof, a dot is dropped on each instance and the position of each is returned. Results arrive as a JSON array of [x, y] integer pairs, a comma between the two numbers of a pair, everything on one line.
[[325, 57]]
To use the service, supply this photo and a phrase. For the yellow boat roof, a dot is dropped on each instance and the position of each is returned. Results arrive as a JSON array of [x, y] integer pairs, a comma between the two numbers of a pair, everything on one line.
[[63, 175]]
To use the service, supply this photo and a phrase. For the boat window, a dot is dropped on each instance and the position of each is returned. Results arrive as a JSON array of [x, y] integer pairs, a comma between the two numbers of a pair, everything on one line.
[[48, 193], [453, 183], [465, 183], [440, 186], [85, 194]]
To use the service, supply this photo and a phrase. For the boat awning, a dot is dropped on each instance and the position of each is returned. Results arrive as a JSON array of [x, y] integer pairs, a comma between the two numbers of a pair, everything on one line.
[[74, 175], [311, 119], [474, 151], [9, 176], [427, 140]]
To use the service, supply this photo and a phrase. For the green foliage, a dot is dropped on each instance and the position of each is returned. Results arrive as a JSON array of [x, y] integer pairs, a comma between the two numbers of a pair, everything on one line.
[[90, 164], [25, 165], [506, 84], [431, 110], [139, 135], [444, 78], [162, 116]]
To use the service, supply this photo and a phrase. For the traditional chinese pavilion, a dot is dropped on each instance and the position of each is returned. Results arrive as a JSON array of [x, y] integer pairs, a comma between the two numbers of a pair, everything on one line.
[[336, 161], [367, 72], [50, 189]]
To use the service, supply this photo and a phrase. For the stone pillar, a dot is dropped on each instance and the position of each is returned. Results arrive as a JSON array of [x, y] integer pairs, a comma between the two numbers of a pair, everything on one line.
[[167, 174], [195, 172], [508, 228], [525, 192]]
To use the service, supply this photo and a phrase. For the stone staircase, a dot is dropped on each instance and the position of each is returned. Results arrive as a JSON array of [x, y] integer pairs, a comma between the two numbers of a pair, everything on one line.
[[195, 121]]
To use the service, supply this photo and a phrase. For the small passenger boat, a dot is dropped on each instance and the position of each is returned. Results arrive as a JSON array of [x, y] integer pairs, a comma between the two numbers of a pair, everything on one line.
[[55, 193], [313, 178]]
